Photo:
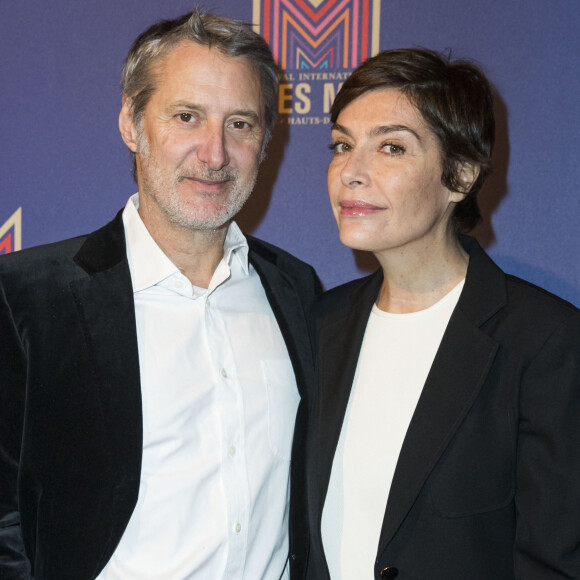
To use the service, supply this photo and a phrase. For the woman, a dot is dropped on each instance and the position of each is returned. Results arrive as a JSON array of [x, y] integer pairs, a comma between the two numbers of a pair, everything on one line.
[[445, 439]]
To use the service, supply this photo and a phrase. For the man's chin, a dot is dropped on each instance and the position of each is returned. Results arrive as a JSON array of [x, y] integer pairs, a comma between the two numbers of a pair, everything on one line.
[[207, 222]]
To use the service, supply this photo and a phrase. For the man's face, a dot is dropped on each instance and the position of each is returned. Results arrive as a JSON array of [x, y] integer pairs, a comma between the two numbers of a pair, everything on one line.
[[199, 140]]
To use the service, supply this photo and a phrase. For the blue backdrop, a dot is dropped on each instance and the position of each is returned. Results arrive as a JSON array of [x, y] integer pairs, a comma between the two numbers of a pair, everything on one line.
[[63, 161]]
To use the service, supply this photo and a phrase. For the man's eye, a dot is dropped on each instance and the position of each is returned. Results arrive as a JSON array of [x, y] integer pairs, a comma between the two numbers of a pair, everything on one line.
[[240, 125], [186, 117]]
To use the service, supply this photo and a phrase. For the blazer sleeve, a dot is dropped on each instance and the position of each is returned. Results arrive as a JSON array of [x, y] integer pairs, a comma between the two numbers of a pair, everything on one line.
[[547, 542], [14, 564]]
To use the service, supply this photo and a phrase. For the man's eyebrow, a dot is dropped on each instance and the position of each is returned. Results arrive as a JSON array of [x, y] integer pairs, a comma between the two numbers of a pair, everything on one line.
[[381, 130], [249, 113], [184, 105], [255, 118]]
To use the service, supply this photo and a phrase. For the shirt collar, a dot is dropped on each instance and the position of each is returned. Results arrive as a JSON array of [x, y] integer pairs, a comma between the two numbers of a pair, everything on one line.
[[148, 263], [236, 247]]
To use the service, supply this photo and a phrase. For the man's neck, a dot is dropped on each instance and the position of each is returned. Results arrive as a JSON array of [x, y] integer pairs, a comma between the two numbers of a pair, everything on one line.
[[197, 253]]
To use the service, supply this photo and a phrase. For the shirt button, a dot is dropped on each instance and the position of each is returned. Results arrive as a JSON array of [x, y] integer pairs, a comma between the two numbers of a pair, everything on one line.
[[178, 283], [224, 373], [231, 450], [238, 528], [208, 303]]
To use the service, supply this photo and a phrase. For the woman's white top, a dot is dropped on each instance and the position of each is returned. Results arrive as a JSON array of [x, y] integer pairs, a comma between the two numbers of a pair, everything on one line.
[[396, 355]]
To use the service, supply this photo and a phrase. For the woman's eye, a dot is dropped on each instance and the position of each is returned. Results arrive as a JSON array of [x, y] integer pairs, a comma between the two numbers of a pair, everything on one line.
[[186, 117], [393, 149], [340, 147]]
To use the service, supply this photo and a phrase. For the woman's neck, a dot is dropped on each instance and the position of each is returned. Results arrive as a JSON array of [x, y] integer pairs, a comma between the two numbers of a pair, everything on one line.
[[416, 280]]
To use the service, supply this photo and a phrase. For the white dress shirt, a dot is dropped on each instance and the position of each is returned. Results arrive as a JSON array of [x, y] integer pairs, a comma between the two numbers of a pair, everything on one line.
[[396, 355], [219, 405]]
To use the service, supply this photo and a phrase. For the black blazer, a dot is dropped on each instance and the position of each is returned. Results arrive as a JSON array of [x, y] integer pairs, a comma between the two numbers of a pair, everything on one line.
[[70, 398], [487, 484]]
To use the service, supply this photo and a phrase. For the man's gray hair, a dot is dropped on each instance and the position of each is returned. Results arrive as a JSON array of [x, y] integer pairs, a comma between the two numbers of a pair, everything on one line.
[[231, 37]]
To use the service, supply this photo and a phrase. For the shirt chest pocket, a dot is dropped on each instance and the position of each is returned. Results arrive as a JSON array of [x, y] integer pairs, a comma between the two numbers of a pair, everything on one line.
[[283, 398]]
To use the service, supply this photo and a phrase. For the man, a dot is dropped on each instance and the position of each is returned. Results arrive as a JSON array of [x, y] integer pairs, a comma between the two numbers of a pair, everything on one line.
[[151, 370]]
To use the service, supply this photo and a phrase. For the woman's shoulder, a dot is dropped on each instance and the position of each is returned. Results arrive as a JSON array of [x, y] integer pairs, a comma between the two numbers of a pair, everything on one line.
[[527, 292], [523, 316], [537, 307], [491, 292]]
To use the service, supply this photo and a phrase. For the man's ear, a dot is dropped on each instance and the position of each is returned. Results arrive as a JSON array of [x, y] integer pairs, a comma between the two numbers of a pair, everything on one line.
[[127, 125]]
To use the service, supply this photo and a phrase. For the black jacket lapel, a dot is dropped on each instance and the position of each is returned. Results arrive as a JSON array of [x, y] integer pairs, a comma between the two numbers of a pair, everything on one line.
[[105, 304], [340, 338], [291, 304], [460, 367], [289, 309]]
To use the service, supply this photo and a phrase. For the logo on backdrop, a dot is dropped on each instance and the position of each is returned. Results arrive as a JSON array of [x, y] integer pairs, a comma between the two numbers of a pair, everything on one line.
[[317, 44], [11, 233]]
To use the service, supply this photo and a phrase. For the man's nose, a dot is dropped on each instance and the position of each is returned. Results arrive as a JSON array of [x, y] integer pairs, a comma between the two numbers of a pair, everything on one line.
[[212, 150]]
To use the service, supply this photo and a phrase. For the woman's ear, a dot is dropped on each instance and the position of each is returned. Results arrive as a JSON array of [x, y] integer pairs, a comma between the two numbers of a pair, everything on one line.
[[127, 125], [467, 174]]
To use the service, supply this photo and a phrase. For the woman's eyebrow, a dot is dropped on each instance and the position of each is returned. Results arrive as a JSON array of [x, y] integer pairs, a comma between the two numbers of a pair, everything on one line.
[[386, 129], [380, 130]]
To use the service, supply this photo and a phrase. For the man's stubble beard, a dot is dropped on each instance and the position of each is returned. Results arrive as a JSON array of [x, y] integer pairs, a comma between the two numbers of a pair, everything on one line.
[[163, 188]]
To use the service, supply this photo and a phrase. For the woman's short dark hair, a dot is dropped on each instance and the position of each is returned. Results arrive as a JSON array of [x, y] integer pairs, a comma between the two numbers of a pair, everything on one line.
[[456, 102]]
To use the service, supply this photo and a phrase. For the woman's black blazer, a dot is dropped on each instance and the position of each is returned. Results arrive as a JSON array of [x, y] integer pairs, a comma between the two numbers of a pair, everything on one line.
[[487, 484]]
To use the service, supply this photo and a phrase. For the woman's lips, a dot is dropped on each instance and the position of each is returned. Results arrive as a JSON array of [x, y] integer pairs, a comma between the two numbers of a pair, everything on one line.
[[357, 207]]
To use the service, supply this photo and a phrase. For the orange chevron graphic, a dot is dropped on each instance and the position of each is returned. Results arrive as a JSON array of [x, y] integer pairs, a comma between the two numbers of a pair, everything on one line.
[[11, 233]]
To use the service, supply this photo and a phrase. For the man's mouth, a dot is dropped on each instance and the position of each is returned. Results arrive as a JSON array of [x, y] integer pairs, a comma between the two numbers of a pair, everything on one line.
[[209, 182]]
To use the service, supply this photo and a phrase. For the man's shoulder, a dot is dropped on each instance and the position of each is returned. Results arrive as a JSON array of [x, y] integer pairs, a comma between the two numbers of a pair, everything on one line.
[[274, 254], [56, 256], [289, 266], [45, 255], [40, 271]]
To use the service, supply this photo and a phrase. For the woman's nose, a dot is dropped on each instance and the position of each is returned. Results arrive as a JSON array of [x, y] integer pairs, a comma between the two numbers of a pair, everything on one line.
[[354, 171]]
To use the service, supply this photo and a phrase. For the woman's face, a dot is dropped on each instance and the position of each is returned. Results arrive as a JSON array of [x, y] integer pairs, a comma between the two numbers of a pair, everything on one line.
[[384, 180]]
